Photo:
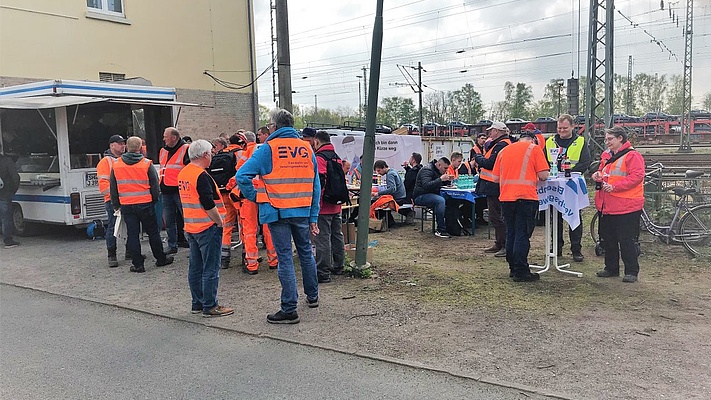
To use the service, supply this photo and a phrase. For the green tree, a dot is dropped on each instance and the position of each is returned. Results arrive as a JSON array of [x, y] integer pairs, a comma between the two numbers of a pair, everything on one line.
[[522, 101], [395, 111], [263, 115], [651, 90], [466, 104], [675, 95], [707, 101]]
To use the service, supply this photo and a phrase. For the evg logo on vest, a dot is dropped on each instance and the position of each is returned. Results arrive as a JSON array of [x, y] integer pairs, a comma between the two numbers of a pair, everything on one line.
[[292, 152]]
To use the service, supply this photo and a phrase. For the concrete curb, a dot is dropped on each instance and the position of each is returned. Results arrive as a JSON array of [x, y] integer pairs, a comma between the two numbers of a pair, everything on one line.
[[411, 364]]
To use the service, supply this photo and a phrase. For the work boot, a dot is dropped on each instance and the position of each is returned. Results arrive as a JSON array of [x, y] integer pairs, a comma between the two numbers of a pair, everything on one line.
[[225, 263], [113, 262], [493, 249]]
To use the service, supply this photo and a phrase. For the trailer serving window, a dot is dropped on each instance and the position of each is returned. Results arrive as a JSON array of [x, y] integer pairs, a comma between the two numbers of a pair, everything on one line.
[[91, 125], [30, 137]]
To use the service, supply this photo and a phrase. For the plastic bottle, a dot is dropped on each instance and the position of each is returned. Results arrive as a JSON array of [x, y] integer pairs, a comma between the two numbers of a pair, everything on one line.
[[566, 165], [554, 170]]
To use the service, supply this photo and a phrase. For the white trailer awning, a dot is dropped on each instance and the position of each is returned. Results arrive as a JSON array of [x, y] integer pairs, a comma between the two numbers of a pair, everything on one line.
[[42, 102]]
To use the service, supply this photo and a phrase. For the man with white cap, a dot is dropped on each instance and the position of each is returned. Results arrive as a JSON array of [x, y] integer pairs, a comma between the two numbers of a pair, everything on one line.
[[487, 186]]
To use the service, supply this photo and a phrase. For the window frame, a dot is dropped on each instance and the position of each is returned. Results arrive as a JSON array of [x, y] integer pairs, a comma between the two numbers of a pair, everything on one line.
[[105, 9]]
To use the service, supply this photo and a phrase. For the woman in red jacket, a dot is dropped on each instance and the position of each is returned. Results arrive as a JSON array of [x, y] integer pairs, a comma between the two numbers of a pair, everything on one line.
[[619, 199]]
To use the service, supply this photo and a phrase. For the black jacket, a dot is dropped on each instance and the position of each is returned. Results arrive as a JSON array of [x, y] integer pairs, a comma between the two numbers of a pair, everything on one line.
[[484, 187], [10, 177], [428, 180], [410, 179]]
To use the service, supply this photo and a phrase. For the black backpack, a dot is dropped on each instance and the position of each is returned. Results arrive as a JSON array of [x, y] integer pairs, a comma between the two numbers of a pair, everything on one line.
[[222, 167], [334, 182]]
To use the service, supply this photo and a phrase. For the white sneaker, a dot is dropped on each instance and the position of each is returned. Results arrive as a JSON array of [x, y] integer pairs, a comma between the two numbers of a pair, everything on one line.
[[442, 234]]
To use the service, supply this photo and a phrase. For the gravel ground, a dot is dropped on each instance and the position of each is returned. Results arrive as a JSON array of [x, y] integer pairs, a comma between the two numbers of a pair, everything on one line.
[[441, 304]]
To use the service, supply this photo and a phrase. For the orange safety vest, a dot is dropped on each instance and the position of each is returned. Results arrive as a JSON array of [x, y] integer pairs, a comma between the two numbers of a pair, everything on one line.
[[486, 174], [103, 173], [541, 141], [291, 182], [517, 170], [618, 171], [169, 169], [196, 218], [132, 182], [455, 172]]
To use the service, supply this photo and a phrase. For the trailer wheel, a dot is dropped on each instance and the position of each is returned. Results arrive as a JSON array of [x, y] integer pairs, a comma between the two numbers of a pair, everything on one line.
[[22, 227]]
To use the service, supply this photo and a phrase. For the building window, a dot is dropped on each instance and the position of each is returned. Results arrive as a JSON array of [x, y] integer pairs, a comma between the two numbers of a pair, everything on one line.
[[111, 77], [112, 7]]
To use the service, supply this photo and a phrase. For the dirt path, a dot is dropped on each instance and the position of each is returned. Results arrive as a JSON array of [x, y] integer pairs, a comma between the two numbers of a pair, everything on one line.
[[443, 303]]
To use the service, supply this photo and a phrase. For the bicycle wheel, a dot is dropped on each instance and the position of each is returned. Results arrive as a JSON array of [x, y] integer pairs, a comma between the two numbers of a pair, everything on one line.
[[594, 233], [695, 231]]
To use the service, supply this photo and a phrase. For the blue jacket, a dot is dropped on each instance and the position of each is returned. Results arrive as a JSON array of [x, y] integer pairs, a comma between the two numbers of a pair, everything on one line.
[[261, 164]]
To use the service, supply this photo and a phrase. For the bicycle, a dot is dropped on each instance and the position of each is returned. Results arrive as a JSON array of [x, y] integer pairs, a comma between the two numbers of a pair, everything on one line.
[[690, 225]]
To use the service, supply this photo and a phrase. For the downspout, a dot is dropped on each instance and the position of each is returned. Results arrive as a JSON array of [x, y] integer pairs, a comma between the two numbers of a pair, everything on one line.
[[255, 117]]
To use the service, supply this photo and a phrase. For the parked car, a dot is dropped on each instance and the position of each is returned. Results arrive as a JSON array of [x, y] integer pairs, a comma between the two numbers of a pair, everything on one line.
[[656, 116], [622, 118], [545, 119], [698, 128], [699, 114], [484, 122], [457, 123], [516, 121]]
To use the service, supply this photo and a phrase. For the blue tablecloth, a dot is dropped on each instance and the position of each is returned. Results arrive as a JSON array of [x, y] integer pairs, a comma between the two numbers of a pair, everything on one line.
[[460, 194]]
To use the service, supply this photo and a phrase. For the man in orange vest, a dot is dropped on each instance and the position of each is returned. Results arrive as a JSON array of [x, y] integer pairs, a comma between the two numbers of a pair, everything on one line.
[[204, 214], [226, 157], [488, 187], [134, 190], [117, 146], [249, 221], [172, 158], [289, 204], [518, 169]]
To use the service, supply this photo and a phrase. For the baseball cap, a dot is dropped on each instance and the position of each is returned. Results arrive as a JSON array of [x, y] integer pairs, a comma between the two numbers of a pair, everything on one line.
[[527, 134], [529, 126], [117, 139], [308, 132], [497, 125]]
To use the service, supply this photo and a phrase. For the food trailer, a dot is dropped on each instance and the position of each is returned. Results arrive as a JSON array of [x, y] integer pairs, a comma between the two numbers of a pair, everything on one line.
[[57, 131]]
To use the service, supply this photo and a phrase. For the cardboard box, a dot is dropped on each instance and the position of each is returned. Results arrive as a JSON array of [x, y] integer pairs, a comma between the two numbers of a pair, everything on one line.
[[349, 232], [351, 250], [377, 225]]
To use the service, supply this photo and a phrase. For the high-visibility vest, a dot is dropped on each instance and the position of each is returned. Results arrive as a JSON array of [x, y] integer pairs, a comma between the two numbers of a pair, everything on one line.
[[541, 141], [573, 151], [195, 216], [103, 173], [169, 169], [484, 173], [132, 182], [291, 182], [455, 172], [517, 168], [243, 154], [616, 172]]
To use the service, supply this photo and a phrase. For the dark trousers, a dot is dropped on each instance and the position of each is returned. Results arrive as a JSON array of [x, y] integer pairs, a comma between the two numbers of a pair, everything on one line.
[[330, 251], [497, 220], [576, 235], [136, 215], [618, 234], [480, 206], [520, 219]]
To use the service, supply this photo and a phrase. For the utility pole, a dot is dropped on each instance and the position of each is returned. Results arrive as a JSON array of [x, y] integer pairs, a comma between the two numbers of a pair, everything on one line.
[[315, 103], [600, 67], [419, 91], [685, 142], [283, 55], [360, 102], [629, 86], [274, 78], [369, 139], [365, 87]]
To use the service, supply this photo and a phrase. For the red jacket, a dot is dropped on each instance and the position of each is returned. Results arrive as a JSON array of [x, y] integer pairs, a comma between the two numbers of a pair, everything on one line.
[[326, 208], [609, 203]]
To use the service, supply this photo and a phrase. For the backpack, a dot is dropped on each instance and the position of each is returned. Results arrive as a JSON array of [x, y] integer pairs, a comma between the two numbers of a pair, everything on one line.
[[222, 167], [333, 183]]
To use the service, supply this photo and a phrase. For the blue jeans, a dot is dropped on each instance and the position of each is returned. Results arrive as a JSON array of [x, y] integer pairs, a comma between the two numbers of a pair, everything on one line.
[[110, 238], [171, 206], [282, 232], [204, 268], [520, 217], [6, 217], [136, 215], [435, 202]]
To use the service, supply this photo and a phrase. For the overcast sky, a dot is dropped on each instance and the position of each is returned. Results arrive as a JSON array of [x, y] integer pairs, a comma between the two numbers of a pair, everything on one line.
[[482, 42]]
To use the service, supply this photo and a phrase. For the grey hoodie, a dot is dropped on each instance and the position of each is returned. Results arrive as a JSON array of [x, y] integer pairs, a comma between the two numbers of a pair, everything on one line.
[[130, 159]]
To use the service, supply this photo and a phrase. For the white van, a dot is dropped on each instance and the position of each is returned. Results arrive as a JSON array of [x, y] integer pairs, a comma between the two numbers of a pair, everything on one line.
[[58, 131]]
